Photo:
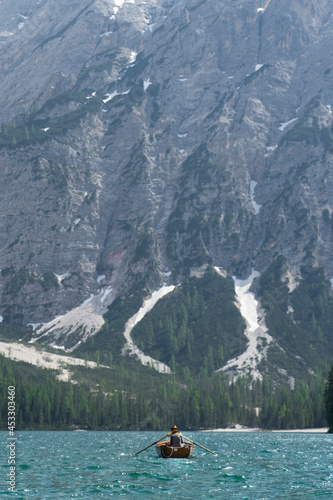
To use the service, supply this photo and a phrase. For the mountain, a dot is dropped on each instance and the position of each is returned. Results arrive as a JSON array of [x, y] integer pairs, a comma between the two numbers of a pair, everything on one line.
[[178, 153]]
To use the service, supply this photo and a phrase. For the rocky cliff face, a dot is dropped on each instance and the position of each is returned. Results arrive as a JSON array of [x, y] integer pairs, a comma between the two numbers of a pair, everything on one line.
[[143, 140]]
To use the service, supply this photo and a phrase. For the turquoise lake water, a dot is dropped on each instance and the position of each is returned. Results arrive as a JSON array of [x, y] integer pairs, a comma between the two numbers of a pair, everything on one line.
[[98, 465]]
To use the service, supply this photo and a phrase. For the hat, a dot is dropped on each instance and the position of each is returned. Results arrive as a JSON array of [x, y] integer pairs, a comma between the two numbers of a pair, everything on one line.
[[174, 427]]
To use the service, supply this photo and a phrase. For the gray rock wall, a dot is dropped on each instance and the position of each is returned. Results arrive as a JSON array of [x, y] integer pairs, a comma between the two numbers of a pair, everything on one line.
[[131, 134]]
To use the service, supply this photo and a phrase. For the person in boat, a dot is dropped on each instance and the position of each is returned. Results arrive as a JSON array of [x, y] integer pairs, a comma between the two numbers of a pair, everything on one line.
[[176, 437]]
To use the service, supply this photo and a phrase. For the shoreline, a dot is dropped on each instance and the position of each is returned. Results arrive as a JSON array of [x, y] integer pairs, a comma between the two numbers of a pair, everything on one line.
[[242, 428]]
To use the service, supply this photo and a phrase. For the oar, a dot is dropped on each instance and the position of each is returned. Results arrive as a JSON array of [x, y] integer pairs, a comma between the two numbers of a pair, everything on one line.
[[213, 452], [137, 453]]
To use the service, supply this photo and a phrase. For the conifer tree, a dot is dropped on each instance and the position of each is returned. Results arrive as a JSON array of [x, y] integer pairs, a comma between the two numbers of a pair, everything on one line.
[[329, 400]]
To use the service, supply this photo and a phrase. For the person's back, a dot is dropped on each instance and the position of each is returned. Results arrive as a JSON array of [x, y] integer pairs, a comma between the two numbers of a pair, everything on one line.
[[176, 437], [176, 440]]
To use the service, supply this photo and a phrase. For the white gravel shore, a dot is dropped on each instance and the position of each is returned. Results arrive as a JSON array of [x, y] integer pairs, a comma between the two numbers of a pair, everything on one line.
[[243, 428]]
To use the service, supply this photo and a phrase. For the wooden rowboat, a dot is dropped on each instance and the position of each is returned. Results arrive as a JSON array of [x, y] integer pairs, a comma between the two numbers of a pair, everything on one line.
[[166, 451]]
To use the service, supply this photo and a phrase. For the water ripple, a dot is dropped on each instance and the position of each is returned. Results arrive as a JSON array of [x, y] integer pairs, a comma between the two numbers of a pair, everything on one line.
[[97, 465]]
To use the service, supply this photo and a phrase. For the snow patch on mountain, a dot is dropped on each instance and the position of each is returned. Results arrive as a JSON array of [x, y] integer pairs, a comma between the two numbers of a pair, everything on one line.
[[130, 347], [114, 94], [256, 331], [133, 57], [285, 124], [221, 272], [88, 317], [146, 84], [61, 277], [254, 203], [292, 282]]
